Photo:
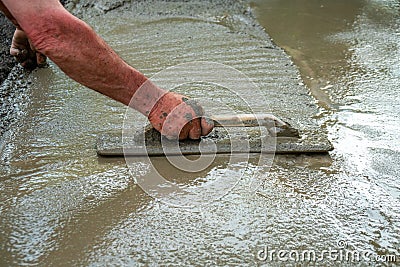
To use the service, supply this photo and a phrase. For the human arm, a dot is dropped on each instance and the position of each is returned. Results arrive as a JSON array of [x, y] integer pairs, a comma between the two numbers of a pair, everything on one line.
[[85, 57], [21, 48]]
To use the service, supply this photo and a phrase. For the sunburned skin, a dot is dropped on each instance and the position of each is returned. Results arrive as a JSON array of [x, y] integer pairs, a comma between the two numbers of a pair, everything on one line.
[[173, 110], [52, 31]]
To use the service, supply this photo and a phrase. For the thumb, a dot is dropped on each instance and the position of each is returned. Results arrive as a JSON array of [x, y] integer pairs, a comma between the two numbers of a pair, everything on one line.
[[207, 125]]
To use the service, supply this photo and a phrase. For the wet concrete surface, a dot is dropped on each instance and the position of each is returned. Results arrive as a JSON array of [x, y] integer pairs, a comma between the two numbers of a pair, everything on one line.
[[348, 56], [63, 205]]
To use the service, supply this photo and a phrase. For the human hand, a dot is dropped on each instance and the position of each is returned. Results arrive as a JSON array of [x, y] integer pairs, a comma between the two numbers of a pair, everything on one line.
[[177, 116], [24, 52]]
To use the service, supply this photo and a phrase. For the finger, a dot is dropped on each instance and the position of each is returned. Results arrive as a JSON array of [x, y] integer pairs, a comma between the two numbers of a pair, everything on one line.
[[195, 130], [26, 57], [29, 64], [31, 61], [20, 55], [41, 59], [184, 133], [169, 133], [198, 110], [16, 51], [207, 125]]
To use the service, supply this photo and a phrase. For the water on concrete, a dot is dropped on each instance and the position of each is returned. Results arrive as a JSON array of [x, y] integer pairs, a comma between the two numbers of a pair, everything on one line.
[[348, 54], [63, 205]]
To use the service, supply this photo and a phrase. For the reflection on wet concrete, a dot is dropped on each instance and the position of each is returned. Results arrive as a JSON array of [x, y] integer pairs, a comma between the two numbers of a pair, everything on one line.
[[348, 56], [62, 205]]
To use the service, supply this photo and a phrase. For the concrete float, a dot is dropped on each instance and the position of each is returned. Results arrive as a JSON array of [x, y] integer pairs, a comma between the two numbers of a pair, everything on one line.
[[242, 133]]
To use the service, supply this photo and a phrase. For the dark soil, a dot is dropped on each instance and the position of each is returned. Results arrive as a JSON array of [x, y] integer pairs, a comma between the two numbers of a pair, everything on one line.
[[7, 61]]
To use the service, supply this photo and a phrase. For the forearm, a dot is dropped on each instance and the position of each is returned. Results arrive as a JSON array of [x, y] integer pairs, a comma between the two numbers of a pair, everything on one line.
[[7, 13], [85, 57]]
